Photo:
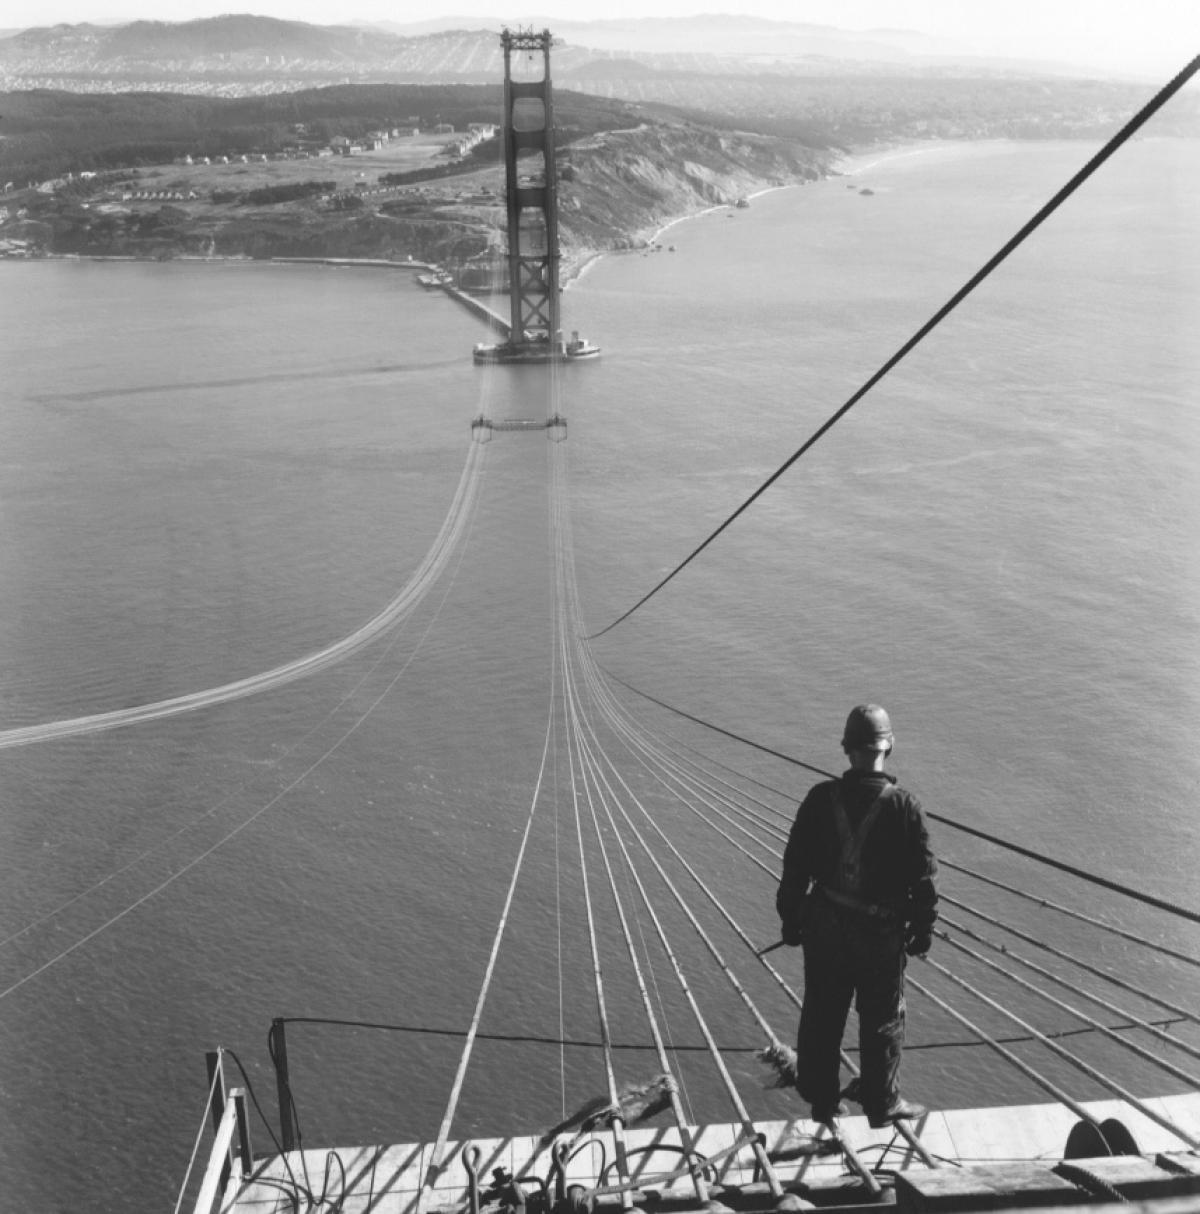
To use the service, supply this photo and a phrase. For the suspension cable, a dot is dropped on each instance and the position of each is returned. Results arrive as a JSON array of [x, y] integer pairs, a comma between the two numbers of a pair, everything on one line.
[[773, 1039], [436, 1161], [1105, 882], [1143, 1053], [414, 590], [597, 969], [1074, 914], [232, 833], [705, 938], [1092, 1023], [698, 1015], [992, 1043], [612, 711], [594, 750], [1131, 1021], [1096, 972], [1125, 133], [674, 775], [697, 1178], [561, 524], [1067, 1056]]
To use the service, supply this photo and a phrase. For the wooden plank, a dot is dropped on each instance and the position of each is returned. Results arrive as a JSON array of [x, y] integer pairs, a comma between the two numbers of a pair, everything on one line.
[[985, 1187], [1028, 1184], [218, 1161], [920, 1190]]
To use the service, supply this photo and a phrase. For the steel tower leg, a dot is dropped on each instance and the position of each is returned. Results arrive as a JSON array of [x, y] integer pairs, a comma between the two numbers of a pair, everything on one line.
[[531, 199]]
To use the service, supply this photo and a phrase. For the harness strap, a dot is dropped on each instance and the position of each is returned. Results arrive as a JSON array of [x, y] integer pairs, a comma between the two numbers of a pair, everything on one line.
[[850, 866]]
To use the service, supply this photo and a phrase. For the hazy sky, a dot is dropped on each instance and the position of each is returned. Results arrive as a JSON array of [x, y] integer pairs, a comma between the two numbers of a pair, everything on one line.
[[1155, 36]]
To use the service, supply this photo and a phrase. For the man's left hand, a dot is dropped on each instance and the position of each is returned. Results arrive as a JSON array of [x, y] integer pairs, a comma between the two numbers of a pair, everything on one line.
[[918, 943]]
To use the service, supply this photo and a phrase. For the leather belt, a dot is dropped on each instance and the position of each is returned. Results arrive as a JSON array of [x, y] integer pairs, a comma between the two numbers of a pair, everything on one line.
[[850, 902]]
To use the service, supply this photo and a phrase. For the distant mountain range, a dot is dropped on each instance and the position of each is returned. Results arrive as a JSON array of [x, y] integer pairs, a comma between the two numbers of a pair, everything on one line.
[[238, 55]]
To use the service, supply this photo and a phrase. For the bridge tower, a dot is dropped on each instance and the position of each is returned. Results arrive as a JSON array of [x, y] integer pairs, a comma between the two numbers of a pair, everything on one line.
[[531, 199]]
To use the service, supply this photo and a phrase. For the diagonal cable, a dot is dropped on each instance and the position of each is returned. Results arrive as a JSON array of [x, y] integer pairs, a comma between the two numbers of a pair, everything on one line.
[[1125, 133]]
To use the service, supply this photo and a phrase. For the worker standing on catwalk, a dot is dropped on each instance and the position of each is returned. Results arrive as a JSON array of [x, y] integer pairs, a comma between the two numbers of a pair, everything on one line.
[[858, 893]]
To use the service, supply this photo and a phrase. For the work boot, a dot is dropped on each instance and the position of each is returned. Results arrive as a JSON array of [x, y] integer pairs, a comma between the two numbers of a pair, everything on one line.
[[825, 1113], [899, 1110]]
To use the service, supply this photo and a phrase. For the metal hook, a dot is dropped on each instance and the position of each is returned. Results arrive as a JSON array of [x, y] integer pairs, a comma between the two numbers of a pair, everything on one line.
[[471, 1156], [560, 1153]]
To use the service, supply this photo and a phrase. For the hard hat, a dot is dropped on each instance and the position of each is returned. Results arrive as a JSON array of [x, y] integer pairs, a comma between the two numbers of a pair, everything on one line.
[[868, 727]]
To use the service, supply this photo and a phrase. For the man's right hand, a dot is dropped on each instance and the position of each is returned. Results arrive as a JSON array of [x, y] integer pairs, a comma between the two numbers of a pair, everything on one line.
[[791, 932]]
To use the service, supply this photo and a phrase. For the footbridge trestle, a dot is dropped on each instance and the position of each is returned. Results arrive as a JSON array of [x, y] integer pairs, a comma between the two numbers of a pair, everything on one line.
[[482, 427]]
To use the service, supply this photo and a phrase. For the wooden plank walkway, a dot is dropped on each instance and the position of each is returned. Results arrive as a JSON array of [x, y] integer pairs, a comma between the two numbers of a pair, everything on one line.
[[387, 1179]]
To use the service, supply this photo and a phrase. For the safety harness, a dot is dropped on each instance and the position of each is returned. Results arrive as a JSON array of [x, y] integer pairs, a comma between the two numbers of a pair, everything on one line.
[[849, 872]]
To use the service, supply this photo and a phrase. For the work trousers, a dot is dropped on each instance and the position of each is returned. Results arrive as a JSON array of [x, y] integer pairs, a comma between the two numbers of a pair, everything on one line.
[[848, 954]]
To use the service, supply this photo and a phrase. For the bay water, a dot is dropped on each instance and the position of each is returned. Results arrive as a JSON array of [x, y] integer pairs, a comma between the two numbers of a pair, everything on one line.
[[211, 469]]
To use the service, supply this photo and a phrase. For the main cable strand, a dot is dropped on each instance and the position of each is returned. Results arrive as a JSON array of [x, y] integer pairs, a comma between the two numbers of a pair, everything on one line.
[[1191, 1080], [601, 694], [1130, 1020], [564, 575], [1122, 136], [682, 788], [1087, 967], [1079, 916], [457, 549], [436, 1160], [426, 574], [1116, 887], [1094, 1026], [400, 623], [578, 778], [1092, 1072], [705, 938]]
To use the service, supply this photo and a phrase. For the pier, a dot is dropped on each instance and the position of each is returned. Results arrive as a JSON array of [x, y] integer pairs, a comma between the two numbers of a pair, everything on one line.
[[479, 309]]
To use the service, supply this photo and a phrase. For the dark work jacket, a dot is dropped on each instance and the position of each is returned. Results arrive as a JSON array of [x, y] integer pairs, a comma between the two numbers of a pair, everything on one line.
[[898, 867]]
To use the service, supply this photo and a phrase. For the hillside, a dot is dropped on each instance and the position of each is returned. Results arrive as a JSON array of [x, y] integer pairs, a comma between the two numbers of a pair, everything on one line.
[[623, 173], [262, 54], [222, 150]]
